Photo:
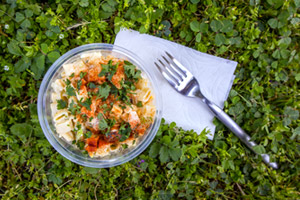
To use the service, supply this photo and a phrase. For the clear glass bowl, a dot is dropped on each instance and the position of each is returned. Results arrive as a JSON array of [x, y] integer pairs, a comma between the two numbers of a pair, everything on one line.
[[69, 151]]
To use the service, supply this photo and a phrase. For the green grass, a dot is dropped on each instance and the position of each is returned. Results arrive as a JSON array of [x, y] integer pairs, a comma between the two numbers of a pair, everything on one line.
[[262, 36]]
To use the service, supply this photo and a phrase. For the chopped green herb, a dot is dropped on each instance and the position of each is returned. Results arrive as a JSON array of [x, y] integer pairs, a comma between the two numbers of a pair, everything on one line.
[[79, 83], [80, 145], [61, 104], [88, 134], [103, 91], [68, 82], [82, 74], [84, 116], [70, 91], [91, 118], [87, 103], [73, 108], [72, 75], [91, 85], [129, 70], [139, 104], [102, 122], [124, 131], [125, 146]]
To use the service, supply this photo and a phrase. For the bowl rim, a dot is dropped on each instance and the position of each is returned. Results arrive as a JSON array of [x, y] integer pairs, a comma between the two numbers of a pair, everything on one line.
[[63, 150]]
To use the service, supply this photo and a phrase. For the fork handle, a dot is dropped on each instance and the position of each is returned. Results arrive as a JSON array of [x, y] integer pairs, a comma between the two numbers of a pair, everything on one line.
[[237, 130]]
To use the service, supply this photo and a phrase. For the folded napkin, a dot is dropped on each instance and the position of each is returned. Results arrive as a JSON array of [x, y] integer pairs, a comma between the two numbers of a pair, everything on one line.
[[214, 74]]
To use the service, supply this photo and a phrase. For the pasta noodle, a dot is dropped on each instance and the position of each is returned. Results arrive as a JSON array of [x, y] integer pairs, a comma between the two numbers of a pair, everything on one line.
[[101, 104]]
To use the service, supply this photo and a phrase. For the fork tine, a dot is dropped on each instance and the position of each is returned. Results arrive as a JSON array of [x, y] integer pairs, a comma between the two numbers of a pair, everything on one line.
[[178, 65], [165, 74], [171, 73], [174, 69]]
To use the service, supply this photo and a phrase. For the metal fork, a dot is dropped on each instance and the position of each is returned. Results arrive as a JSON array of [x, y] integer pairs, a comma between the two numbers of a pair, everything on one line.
[[185, 83]]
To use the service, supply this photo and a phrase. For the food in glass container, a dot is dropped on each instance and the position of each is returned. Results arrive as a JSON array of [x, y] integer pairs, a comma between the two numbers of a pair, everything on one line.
[[102, 104]]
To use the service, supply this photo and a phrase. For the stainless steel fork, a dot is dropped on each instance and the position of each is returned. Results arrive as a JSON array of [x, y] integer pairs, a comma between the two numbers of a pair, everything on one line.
[[185, 83]]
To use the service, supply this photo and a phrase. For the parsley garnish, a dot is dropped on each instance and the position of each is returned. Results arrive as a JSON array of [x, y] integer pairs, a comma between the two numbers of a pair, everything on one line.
[[82, 74], [61, 104], [72, 75], [79, 83], [68, 82], [103, 91], [91, 85], [73, 108], [108, 70], [70, 91], [139, 104], [80, 145], [88, 134], [102, 122], [87, 103], [131, 71], [124, 131]]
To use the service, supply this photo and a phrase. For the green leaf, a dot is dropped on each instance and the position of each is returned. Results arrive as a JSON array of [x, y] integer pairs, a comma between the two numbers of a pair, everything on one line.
[[203, 27], [103, 125], [195, 1], [166, 140], [84, 3], [227, 26], [22, 64], [19, 17], [22, 130], [154, 150], [104, 91], [276, 54], [220, 39], [26, 24], [259, 149], [53, 56], [44, 48], [164, 154], [90, 170], [198, 37], [273, 23], [285, 53], [215, 25], [195, 26], [13, 48], [70, 91], [290, 115], [297, 77], [175, 153], [38, 66], [61, 104], [28, 13]]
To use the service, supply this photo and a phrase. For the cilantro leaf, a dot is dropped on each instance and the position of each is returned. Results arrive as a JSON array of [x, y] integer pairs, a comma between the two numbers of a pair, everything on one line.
[[61, 104], [73, 108], [103, 91], [82, 74], [102, 122], [88, 134], [79, 83], [139, 104], [70, 91], [87, 103], [124, 131], [91, 85], [129, 70]]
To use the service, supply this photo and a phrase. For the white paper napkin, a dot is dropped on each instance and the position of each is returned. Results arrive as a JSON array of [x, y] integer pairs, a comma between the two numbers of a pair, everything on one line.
[[214, 74]]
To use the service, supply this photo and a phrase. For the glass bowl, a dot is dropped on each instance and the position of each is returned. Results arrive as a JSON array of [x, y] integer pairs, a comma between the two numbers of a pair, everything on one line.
[[71, 152]]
